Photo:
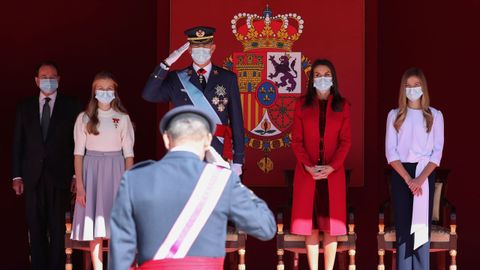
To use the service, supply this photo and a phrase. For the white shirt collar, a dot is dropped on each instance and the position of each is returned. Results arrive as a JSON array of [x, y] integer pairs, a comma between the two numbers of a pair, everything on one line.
[[208, 68], [52, 97], [182, 148]]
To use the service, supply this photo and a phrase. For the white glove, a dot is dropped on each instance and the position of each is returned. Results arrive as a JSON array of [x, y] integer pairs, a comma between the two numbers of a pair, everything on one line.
[[173, 57], [237, 168], [214, 158]]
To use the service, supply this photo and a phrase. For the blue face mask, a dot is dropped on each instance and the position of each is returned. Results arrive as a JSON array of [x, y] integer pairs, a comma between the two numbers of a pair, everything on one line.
[[48, 85], [322, 84], [105, 97]]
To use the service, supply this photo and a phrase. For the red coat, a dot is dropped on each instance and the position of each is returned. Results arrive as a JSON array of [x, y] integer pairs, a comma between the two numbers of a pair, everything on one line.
[[306, 145]]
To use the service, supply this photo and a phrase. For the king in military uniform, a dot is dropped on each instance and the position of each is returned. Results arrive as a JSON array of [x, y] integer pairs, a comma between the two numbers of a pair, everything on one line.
[[206, 86]]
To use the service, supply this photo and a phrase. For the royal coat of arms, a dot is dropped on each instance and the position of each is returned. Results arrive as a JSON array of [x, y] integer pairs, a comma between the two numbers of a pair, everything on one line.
[[270, 79]]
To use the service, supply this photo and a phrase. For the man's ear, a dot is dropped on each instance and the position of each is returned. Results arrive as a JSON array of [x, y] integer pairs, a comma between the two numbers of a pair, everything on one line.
[[166, 140], [208, 141], [212, 48], [37, 81]]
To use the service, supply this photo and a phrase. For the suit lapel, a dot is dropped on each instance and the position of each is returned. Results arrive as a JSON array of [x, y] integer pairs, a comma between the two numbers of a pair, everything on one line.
[[56, 114], [212, 79], [194, 78], [34, 114]]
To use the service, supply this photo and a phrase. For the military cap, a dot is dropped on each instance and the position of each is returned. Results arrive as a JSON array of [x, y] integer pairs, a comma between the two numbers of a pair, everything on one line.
[[200, 34], [165, 122]]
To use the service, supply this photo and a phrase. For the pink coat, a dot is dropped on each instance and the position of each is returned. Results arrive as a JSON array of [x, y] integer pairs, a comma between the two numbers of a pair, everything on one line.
[[306, 145]]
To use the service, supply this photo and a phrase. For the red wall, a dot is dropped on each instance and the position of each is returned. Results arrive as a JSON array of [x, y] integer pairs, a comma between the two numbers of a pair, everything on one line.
[[83, 37], [89, 35]]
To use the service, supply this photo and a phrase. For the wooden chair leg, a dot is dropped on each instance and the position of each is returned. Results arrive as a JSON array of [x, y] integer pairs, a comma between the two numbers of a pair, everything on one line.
[[341, 259], [351, 254], [441, 260], [232, 261], [453, 263], [381, 259], [68, 259], [394, 261], [281, 264], [87, 260], [241, 264], [295, 261]]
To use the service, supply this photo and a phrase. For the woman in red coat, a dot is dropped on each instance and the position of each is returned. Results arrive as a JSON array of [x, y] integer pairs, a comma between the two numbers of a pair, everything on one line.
[[320, 140]]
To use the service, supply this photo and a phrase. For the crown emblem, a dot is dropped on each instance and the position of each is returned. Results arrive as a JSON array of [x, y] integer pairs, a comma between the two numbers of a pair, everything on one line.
[[200, 33], [267, 31]]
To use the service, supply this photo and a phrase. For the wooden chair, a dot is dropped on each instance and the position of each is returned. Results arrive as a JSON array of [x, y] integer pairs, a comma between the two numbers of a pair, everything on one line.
[[443, 235], [70, 244], [296, 243], [235, 242]]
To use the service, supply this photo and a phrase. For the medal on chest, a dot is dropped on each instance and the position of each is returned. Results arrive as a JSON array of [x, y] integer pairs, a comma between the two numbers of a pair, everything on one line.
[[220, 99]]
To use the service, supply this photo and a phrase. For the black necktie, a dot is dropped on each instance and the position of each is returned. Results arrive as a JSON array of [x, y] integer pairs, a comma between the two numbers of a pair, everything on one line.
[[201, 78], [45, 117]]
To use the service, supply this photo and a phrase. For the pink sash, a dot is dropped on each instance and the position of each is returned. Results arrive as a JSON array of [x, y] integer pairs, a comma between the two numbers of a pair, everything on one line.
[[187, 263], [195, 214]]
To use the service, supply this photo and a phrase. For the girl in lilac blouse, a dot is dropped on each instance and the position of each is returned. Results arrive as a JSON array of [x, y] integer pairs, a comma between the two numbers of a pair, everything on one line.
[[413, 147]]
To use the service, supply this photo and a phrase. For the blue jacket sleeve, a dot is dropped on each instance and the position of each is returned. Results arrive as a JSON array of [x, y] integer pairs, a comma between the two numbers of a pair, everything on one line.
[[159, 86], [250, 213], [123, 242]]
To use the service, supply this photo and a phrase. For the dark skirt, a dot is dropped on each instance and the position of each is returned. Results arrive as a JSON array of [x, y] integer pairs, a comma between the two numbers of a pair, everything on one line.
[[321, 216]]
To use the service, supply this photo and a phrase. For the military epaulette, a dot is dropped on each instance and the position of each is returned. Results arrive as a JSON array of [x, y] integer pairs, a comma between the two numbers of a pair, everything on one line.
[[142, 164]]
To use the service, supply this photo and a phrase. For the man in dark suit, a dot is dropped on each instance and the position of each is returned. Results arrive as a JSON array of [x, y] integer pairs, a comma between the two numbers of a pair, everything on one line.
[[158, 205], [43, 165], [204, 85]]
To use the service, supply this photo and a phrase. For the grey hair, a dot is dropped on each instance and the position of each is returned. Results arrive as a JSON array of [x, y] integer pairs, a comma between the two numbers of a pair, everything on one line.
[[188, 125]]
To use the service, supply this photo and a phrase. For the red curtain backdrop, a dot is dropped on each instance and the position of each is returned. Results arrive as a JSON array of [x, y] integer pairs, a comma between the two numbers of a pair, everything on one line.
[[332, 29]]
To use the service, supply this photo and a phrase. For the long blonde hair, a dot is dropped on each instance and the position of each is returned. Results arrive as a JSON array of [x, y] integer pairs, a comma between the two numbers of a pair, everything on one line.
[[403, 101], [92, 107]]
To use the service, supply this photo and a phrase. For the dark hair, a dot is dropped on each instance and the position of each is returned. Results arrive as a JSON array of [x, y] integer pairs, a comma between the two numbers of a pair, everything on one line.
[[337, 100], [92, 106], [46, 63]]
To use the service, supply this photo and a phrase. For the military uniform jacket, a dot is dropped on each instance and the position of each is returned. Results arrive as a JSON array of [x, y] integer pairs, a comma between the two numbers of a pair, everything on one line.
[[152, 196], [221, 92]]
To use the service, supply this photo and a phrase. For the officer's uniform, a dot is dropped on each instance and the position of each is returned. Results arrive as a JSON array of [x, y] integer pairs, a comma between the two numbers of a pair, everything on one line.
[[151, 197], [221, 92]]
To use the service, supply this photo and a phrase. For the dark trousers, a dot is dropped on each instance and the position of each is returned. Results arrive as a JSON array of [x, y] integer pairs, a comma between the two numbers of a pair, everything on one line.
[[46, 207], [407, 258]]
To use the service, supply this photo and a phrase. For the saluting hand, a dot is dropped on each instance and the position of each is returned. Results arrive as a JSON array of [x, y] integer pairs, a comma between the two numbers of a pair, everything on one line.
[[175, 55]]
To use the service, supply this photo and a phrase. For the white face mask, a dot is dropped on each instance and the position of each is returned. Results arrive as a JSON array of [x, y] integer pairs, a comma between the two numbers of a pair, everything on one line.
[[105, 97], [48, 85], [201, 55], [413, 93], [322, 84]]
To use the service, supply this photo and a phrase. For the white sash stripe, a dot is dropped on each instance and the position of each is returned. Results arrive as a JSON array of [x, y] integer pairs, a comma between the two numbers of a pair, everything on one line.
[[420, 211], [213, 197], [203, 188]]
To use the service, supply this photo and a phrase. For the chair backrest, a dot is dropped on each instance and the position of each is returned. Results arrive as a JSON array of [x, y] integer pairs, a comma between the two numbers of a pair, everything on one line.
[[439, 198]]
